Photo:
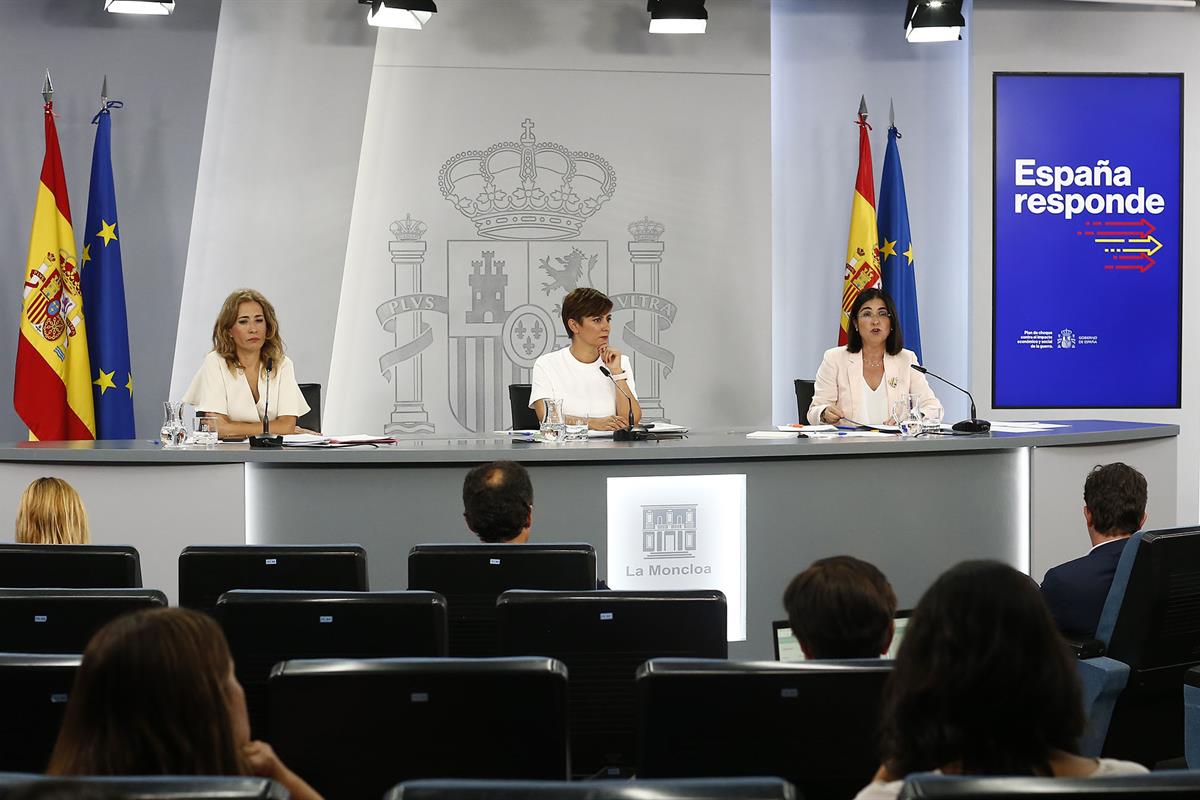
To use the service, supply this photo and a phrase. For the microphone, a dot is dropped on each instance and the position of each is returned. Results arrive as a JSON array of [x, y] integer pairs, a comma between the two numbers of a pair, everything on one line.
[[629, 434], [266, 439], [972, 425]]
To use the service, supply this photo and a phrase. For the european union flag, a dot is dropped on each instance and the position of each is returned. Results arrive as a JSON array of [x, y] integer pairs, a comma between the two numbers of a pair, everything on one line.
[[895, 246], [104, 293]]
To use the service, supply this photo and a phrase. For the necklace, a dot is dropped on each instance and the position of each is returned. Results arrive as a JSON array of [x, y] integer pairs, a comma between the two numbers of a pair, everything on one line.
[[873, 363]]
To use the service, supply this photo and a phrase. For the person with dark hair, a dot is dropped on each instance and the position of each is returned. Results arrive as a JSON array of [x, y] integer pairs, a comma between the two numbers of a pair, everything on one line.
[[983, 685], [573, 374], [841, 607], [498, 502], [1114, 508], [156, 695], [861, 381]]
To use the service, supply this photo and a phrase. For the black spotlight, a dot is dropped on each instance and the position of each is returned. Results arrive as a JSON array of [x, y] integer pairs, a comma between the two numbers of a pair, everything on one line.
[[677, 16], [934, 21]]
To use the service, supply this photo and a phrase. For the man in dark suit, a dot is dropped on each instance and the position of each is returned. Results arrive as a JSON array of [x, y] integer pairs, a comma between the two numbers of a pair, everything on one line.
[[1114, 498], [498, 502]]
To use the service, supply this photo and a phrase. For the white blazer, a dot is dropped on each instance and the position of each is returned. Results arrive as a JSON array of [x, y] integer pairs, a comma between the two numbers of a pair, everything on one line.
[[838, 384]]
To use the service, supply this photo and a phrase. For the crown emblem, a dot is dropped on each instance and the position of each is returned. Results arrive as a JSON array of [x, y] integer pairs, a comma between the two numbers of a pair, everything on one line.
[[646, 230], [527, 189], [408, 229]]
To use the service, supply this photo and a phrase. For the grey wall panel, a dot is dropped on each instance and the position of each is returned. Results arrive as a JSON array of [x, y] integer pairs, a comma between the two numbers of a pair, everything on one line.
[[160, 67]]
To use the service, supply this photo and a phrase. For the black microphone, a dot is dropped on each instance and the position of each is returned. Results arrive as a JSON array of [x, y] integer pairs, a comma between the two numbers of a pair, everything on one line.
[[972, 425], [628, 434], [266, 438]]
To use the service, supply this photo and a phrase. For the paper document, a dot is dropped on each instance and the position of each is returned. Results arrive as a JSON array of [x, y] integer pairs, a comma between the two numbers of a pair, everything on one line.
[[797, 427], [773, 435]]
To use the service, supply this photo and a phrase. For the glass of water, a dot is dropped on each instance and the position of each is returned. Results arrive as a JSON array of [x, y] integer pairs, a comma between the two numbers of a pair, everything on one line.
[[576, 427], [931, 420], [553, 425], [173, 432], [205, 434]]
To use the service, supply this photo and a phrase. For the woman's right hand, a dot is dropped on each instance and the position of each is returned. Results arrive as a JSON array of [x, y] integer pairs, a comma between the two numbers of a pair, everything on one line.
[[832, 415], [265, 764], [613, 423]]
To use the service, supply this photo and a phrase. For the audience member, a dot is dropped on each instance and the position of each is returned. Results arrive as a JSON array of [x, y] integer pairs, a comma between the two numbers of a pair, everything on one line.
[[1114, 508], [983, 685], [841, 607], [51, 512], [498, 502], [156, 695]]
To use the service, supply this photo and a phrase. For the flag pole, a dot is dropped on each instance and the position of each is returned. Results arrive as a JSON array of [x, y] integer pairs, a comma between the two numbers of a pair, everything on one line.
[[48, 89]]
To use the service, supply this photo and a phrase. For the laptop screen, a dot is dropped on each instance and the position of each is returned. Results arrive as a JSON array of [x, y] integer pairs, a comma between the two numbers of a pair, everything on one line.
[[788, 649]]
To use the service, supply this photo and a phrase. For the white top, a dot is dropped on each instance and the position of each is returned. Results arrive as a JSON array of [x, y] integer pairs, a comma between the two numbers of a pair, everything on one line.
[[217, 390], [875, 402], [1107, 768], [582, 387]]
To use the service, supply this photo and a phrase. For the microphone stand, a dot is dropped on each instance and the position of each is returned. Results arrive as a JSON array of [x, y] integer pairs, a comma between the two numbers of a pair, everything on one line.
[[267, 440], [632, 433], [972, 425]]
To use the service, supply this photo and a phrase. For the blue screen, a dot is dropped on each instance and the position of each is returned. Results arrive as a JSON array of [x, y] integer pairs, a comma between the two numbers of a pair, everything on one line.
[[1087, 235]]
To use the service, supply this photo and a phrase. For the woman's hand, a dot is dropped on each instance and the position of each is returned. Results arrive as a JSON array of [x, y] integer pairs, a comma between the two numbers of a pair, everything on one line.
[[263, 762], [306, 430], [832, 415], [613, 423], [611, 357]]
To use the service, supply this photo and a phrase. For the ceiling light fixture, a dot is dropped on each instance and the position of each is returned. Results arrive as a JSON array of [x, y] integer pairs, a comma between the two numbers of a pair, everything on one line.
[[156, 7], [934, 21], [409, 14], [677, 16]]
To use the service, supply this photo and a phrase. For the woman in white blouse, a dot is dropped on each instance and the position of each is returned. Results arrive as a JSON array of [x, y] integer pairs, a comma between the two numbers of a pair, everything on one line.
[[232, 383], [861, 381]]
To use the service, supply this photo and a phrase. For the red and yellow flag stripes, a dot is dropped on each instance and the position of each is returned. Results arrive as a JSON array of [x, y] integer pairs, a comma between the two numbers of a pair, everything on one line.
[[52, 389], [862, 251]]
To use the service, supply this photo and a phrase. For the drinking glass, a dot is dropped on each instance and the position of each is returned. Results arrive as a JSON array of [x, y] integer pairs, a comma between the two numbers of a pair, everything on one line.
[[173, 433], [931, 420], [902, 407], [205, 432], [907, 414], [576, 427], [553, 426]]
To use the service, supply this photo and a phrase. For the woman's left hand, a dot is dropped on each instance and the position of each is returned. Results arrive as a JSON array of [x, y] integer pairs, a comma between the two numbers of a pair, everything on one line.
[[263, 761], [611, 357]]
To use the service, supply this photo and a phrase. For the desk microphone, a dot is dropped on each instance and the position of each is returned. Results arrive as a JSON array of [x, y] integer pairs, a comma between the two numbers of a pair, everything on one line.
[[629, 434], [972, 425], [266, 439]]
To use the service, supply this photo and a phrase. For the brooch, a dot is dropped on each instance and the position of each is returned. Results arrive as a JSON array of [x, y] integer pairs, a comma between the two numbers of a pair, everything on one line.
[[894, 382]]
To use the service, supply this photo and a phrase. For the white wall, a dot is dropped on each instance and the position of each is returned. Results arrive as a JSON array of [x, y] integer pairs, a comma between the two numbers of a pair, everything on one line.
[[1050, 35], [824, 55]]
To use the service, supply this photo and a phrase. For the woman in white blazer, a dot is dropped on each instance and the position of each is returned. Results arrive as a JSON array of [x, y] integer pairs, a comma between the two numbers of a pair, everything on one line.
[[861, 381]]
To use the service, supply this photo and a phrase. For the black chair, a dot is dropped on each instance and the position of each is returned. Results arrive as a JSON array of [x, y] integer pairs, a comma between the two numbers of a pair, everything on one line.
[[812, 723], [523, 417], [354, 729], [603, 637], [688, 789], [312, 396], [70, 566], [266, 627], [63, 620], [157, 787], [33, 695], [472, 576], [207, 572], [804, 395], [1127, 787]]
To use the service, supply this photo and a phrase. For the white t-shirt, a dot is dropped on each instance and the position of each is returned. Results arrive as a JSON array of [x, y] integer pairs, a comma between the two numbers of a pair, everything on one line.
[[875, 403], [582, 387], [1107, 768], [217, 390]]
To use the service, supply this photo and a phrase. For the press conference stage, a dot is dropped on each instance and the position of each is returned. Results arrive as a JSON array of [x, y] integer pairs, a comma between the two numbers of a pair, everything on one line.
[[914, 506]]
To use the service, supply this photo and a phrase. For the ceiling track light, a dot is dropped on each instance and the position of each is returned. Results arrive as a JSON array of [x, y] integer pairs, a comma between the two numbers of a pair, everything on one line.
[[677, 16], [934, 21], [408, 14], [149, 7]]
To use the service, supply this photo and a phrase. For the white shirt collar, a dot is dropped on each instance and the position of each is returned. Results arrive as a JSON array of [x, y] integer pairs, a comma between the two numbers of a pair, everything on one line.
[[1110, 541]]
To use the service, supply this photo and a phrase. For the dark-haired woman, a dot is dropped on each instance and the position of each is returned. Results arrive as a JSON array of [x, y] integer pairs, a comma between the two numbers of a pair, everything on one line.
[[983, 685], [156, 695], [861, 381]]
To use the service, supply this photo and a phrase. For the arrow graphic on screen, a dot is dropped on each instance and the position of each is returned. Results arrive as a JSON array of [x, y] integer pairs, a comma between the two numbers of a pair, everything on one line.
[[1131, 243]]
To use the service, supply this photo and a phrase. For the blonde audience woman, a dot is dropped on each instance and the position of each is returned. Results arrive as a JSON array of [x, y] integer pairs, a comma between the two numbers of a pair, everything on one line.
[[51, 512]]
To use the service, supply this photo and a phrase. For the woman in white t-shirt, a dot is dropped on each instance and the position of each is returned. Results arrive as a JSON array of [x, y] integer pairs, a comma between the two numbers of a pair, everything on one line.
[[573, 374], [983, 685], [245, 365]]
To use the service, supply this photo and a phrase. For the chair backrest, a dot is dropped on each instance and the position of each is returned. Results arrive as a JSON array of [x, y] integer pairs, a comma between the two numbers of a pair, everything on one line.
[[804, 395], [684, 789], [523, 417], [159, 787], [813, 723], [207, 572], [70, 566], [353, 729], [33, 695], [312, 395], [63, 620], [1127, 787], [267, 627], [603, 637], [472, 576]]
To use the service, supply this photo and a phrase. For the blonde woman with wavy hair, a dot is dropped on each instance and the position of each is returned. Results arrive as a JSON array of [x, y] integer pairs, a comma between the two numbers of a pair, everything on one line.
[[246, 363], [51, 512]]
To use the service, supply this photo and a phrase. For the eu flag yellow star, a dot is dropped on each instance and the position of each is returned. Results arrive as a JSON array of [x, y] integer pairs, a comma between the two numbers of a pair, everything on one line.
[[87, 254], [107, 232], [909, 254], [105, 381], [129, 384], [888, 249]]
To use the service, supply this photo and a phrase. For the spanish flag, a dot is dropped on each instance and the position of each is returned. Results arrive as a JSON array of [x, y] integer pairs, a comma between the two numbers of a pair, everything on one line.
[[862, 252], [52, 389]]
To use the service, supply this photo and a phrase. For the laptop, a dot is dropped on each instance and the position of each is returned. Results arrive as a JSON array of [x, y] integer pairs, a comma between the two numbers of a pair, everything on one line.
[[788, 649]]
